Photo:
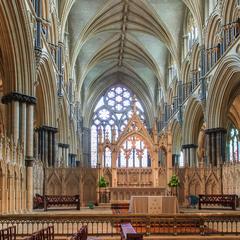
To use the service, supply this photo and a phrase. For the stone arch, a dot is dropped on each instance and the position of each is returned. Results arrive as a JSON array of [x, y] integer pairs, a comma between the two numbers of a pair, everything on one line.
[[193, 120], [230, 11], [195, 58], [16, 35], [223, 89], [99, 87], [47, 106], [212, 31]]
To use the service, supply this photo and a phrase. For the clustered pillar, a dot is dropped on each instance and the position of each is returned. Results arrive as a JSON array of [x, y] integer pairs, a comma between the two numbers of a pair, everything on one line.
[[20, 109], [216, 143], [46, 145], [189, 153]]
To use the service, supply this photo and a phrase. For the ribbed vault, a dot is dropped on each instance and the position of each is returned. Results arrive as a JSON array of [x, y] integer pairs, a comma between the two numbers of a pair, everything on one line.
[[127, 37]]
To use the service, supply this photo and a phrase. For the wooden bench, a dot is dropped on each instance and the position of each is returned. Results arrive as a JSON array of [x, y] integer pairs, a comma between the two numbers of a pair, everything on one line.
[[226, 200], [56, 200], [43, 234], [8, 233], [129, 233]]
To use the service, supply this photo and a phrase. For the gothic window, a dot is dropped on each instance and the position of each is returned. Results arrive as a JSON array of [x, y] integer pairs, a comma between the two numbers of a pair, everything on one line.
[[112, 111], [191, 32], [233, 144]]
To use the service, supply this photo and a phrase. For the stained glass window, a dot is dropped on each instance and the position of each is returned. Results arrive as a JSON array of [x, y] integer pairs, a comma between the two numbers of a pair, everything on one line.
[[113, 110], [233, 144]]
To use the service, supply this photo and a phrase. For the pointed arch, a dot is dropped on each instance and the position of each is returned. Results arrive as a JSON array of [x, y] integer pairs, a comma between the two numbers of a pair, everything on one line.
[[16, 35], [223, 88], [230, 11], [212, 34], [193, 119], [46, 108]]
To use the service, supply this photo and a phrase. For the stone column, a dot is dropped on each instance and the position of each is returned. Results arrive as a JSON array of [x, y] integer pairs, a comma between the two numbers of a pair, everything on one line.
[[36, 147], [66, 155], [15, 121], [7, 187], [114, 168], [189, 151], [47, 148], [216, 145], [50, 146], [46, 159], [54, 148], [11, 193], [16, 193], [3, 193], [29, 157]]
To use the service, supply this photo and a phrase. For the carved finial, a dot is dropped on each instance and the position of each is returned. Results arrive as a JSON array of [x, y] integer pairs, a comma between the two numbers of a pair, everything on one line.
[[134, 106]]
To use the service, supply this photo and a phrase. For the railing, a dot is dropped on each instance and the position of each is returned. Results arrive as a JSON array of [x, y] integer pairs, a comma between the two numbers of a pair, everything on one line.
[[109, 224]]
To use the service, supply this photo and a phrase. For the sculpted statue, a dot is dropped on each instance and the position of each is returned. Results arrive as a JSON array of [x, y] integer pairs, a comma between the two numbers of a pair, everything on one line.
[[201, 143]]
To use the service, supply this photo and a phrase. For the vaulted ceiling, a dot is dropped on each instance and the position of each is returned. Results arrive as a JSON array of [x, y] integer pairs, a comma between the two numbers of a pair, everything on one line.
[[125, 38]]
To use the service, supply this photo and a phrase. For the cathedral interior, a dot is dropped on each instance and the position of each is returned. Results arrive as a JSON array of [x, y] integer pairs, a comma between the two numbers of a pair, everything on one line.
[[111, 99]]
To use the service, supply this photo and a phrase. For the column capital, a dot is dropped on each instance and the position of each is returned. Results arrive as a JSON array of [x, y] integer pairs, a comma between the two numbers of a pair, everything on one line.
[[73, 154], [47, 128], [60, 44], [29, 161], [63, 145], [215, 130], [19, 97], [184, 146]]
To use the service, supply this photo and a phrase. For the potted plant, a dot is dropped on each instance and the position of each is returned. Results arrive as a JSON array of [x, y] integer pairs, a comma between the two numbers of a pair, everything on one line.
[[102, 183], [103, 192], [91, 205], [174, 183]]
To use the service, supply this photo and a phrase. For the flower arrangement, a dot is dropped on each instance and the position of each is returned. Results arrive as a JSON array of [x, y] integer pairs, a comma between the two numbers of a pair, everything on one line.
[[174, 181], [102, 182]]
